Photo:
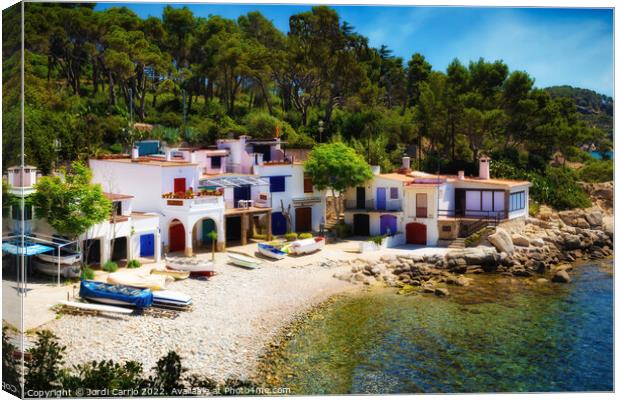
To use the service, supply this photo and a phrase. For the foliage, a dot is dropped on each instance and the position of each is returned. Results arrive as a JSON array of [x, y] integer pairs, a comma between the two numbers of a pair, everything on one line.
[[291, 236], [44, 368], [69, 202], [336, 166], [305, 235], [378, 239], [87, 273], [110, 266], [533, 208], [597, 171], [10, 365], [133, 264], [343, 230]]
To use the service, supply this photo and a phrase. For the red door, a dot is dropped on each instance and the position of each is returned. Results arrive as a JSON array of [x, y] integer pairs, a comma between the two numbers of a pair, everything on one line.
[[416, 233], [179, 185], [177, 237]]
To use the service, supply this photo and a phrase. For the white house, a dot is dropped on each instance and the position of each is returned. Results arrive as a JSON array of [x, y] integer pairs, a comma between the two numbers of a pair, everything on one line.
[[427, 207]]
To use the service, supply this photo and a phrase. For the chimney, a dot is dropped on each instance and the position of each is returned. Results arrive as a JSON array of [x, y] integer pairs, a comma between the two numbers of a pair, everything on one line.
[[135, 153], [168, 154], [484, 167], [376, 169], [461, 175], [192, 157], [406, 162]]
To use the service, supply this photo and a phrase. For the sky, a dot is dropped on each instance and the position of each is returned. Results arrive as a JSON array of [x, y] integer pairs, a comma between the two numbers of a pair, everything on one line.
[[556, 46]]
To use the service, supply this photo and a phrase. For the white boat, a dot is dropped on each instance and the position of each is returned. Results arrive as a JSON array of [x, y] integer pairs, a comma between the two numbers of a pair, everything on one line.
[[177, 275], [243, 261], [96, 307], [65, 259], [306, 246], [66, 271], [271, 251], [137, 280], [171, 298], [192, 265]]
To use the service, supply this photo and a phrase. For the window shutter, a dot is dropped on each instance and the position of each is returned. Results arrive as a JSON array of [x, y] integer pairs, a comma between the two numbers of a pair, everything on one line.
[[276, 184]]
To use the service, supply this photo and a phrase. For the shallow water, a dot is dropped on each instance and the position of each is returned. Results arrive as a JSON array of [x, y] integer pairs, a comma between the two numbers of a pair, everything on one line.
[[499, 336]]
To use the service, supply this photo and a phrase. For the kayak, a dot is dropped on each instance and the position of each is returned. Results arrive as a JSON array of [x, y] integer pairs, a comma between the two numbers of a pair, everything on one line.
[[271, 251], [243, 261], [95, 307], [115, 294]]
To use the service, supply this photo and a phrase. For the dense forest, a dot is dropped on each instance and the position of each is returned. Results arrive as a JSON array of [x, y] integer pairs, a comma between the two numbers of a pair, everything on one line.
[[90, 74]]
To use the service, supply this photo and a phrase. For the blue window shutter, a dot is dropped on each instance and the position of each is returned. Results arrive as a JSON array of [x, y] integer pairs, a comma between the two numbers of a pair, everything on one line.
[[276, 184]]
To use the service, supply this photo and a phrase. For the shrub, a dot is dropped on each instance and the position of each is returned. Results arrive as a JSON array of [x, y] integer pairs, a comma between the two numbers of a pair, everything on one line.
[[44, 367], [10, 365], [110, 266], [533, 208], [290, 236], [597, 171], [377, 239], [306, 235], [133, 264], [342, 230], [87, 273]]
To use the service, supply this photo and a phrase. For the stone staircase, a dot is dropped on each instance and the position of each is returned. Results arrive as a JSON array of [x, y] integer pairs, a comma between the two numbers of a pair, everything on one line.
[[458, 243]]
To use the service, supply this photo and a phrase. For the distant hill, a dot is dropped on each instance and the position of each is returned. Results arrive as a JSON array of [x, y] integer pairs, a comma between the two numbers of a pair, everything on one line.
[[597, 109]]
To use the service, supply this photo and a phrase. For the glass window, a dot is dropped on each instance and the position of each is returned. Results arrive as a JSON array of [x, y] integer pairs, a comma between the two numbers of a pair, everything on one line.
[[421, 210], [276, 184], [216, 162], [394, 193], [517, 201]]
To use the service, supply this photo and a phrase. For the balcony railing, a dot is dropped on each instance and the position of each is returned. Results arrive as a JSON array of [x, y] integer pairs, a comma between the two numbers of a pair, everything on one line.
[[371, 205], [193, 204]]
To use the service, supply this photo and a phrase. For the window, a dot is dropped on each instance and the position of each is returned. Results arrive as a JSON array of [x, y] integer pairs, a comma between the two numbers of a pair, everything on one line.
[[446, 228], [517, 201], [421, 205], [216, 161], [276, 184], [308, 186], [394, 193]]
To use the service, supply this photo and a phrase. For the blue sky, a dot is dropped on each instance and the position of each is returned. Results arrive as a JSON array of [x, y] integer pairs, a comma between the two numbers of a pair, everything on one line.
[[555, 46]]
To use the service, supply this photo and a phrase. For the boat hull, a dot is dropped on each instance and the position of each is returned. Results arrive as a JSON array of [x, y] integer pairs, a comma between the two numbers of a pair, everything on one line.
[[66, 271], [271, 252], [115, 294], [307, 246], [243, 261], [69, 259]]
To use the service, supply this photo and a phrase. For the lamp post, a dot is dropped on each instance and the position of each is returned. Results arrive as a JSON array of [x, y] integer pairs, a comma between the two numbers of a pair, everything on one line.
[[321, 131]]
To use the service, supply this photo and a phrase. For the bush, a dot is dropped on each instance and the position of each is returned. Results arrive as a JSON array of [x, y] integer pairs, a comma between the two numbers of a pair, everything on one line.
[[342, 230], [306, 235], [533, 208], [110, 266], [290, 236], [133, 264], [597, 171], [87, 273], [377, 239]]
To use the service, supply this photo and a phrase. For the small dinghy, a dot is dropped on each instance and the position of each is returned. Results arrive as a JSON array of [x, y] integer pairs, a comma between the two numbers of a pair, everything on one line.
[[172, 299], [66, 258], [243, 261], [176, 275], [153, 282], [271, 251], [66, 271], [119, 295], [306, 246], [191, 265], [95, 307]]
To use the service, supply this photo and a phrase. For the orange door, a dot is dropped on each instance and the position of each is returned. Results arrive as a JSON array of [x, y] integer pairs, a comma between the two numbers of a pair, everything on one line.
[[416, 233]]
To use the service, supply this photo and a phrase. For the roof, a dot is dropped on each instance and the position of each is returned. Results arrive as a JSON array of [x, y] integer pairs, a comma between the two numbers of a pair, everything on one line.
[[117, 196], [233, 181], [397, 177], [17, 167], [426, 178], [153, 161]]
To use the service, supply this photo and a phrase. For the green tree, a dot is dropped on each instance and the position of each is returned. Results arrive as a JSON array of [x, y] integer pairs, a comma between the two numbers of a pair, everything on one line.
[[337, 167]]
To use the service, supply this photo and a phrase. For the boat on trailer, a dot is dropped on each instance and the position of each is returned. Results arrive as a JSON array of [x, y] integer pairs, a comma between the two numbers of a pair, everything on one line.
[[306, 246], [243, 260], [118, 295], [271, 251]]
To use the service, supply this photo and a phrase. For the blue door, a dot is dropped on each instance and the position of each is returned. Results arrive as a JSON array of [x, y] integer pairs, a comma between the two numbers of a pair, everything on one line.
[[387, 224], [208, 225], [381, 202], [278, 223], [147, 245]]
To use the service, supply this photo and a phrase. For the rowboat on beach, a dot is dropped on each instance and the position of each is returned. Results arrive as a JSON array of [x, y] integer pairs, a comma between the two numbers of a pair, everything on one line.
[[137, 280], [171, 299], [176, 275], [192, 265], [271, 251], [243, 261], [119, 295], [306, 246]]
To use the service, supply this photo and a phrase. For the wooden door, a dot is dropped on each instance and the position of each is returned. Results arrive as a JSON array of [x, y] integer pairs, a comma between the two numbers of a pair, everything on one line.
[[177, 238], [303, 219], [361, 225], [179, 185], [416, 233], [361, 198]]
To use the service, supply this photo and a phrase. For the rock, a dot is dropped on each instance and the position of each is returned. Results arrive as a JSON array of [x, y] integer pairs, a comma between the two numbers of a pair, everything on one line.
[[501, 240], [594, 218], [572, 242], [538, 242], [441, 292], [561, 277], [545, 213], [564, 267], [520, 240], [521, 272], [428, 289], [481, 255], [542, 280], [608, 225]]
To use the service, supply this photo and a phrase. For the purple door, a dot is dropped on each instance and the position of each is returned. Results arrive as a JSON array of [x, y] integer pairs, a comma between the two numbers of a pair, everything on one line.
[[381, 199], [387, 224]]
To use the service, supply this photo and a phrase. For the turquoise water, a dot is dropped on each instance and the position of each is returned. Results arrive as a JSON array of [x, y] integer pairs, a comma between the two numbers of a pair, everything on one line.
[[599, 156], [500, 336]]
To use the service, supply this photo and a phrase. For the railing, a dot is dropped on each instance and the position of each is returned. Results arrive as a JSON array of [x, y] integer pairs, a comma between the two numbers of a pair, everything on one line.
[[371, 205], [196, 203], [471, 222]]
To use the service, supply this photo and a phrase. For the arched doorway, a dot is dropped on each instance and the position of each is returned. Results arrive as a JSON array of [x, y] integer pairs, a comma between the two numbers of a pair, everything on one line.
[[416, 233], [387, 224], [176, 236], [278, 223], [361, 225], [201, 231]]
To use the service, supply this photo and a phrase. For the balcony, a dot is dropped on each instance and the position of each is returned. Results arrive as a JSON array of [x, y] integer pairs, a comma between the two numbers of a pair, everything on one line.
[[371, 205], [192, 203]]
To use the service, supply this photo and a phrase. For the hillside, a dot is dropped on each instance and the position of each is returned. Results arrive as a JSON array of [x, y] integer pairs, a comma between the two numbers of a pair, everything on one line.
[[596, 109]]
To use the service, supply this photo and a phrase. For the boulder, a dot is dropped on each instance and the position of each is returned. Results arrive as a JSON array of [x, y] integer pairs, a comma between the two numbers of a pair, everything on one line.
[[572, 242], [561, 276], [538, 242], [520, 240], [441, 292], [594, 218], [608, 225], [502, 241], [481, 255]]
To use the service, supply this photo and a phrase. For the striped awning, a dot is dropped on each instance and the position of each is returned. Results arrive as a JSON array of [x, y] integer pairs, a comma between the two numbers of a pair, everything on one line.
[[30, 249]]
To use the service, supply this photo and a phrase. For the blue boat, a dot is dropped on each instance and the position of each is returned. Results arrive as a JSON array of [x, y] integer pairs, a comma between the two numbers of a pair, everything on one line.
[[116, 294], [271, 251]]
